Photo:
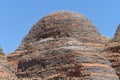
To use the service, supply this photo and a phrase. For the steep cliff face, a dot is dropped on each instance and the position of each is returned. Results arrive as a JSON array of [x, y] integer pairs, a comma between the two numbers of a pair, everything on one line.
[[62, 46], [6, 72]]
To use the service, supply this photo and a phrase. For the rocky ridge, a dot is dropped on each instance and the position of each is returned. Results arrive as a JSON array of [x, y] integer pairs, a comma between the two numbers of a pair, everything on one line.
[[65, 46]]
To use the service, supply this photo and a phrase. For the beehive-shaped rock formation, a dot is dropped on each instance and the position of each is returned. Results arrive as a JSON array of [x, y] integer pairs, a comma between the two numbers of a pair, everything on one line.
[[62, 46], [63, 24]]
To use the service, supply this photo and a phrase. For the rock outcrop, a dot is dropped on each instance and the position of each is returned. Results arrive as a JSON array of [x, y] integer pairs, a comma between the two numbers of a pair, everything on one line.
[[63, 24], [112, 52], [6, 72], [62, 46], [65, 58], [117, 34], [1, 51]]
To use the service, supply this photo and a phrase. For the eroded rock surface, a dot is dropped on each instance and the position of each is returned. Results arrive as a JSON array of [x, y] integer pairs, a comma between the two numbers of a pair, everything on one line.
[[63, 24], [62, 46], [117, 34], [112, 52], [6, 72]]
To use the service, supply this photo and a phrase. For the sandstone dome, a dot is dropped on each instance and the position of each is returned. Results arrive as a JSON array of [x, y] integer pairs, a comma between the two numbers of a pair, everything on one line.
[[62, 46], [63, 24]]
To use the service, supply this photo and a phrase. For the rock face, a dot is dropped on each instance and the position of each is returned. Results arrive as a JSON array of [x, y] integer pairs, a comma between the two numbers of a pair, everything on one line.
[[1, 51], [65, 59], [6, 72], [63, 24], [117, 34], [112, 52], [62, 46]]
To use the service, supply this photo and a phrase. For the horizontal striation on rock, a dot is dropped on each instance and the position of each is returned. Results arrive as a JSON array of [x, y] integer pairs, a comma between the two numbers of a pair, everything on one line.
[[62, 46], [6, 72], [64, 57], [112, 52], [63, 24]]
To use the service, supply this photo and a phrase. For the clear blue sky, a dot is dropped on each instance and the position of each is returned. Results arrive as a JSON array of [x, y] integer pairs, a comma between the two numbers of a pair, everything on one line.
[[18, 16]]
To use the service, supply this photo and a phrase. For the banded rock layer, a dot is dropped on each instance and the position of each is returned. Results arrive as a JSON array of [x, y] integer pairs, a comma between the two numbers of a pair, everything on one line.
[[112, 53], [6, 72], [63, 24], [62, 46]]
